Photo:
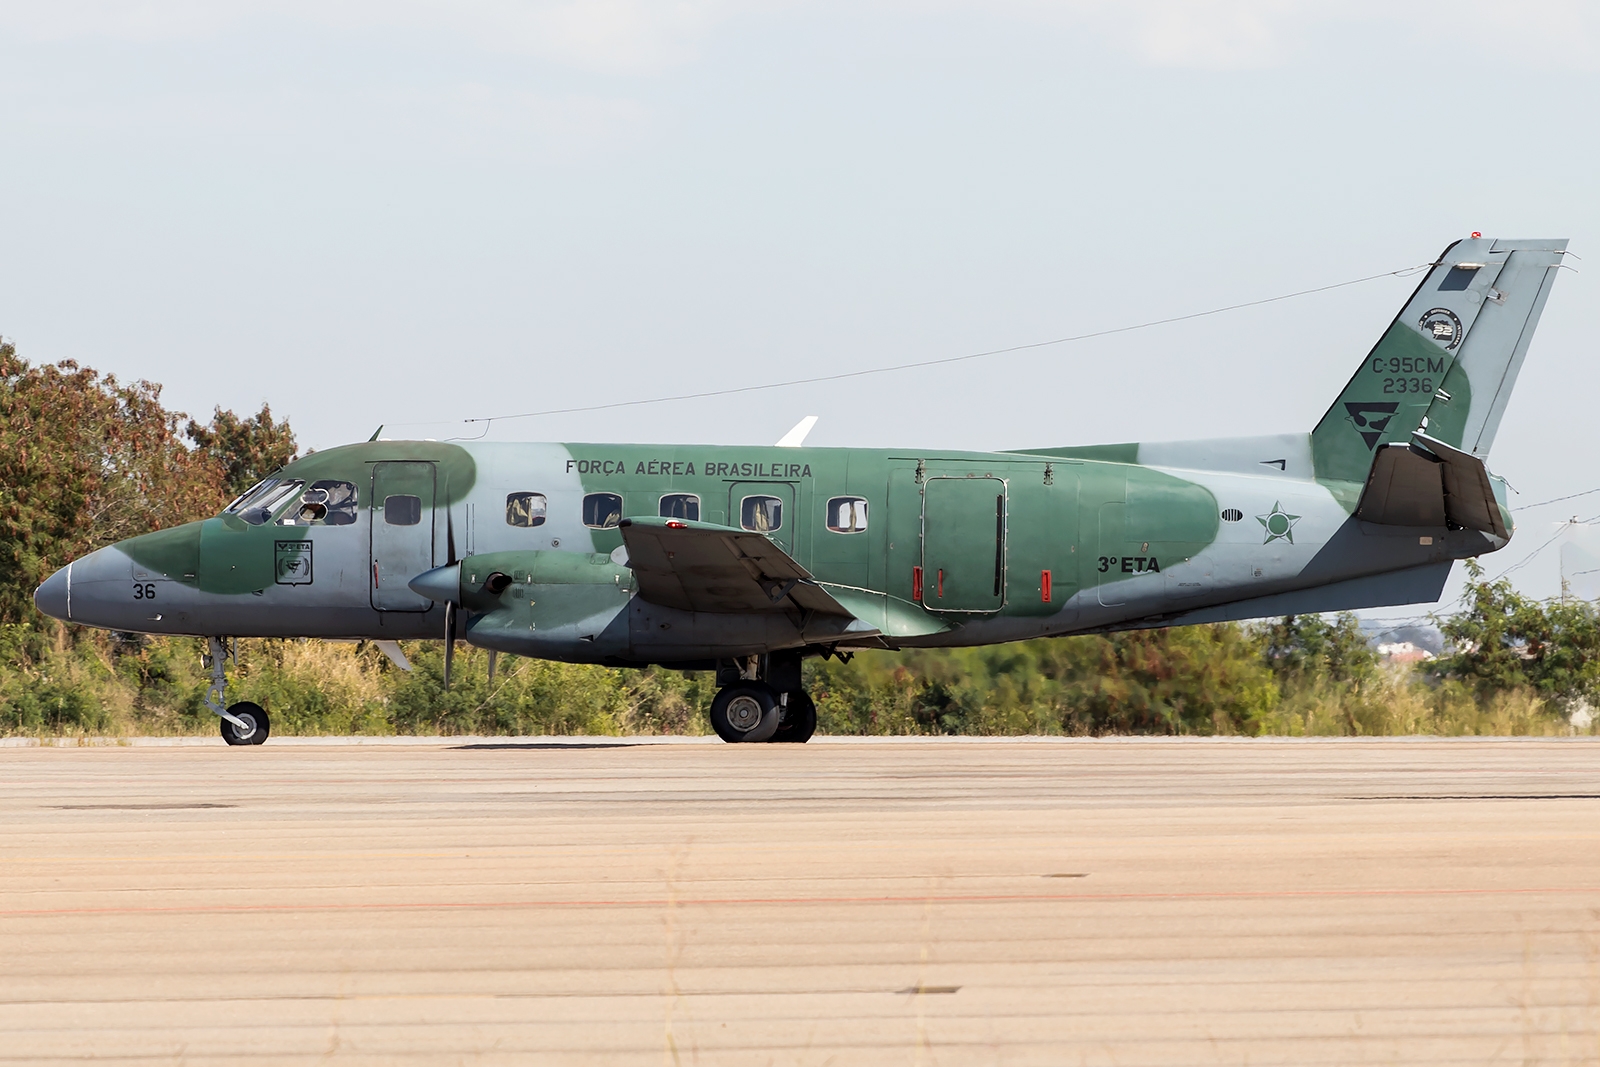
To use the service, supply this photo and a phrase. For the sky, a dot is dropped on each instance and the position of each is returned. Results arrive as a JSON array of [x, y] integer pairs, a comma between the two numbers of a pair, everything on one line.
[[414, 213]]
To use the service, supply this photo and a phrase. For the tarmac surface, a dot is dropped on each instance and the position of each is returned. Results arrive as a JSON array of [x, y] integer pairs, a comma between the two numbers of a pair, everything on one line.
[[845, 902]]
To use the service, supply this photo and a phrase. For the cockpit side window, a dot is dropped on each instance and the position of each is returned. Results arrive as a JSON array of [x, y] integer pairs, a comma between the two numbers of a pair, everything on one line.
[[525, 509], [326, 503], [257, 508], [602, 511]]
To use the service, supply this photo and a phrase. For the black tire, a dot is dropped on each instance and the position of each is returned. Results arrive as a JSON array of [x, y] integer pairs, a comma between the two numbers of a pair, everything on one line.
[[252, 713], [799, 719], [745, 712]]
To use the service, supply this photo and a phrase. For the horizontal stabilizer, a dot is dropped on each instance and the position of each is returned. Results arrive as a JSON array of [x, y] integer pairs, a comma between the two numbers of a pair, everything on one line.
[[700, 566], [1414, 585], [1430, 483]]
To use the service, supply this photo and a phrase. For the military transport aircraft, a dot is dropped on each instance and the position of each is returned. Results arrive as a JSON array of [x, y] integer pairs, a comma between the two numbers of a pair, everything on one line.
[[745, 560]]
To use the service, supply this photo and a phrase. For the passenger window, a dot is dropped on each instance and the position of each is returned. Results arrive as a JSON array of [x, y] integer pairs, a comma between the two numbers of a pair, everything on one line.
[[258, 508], [402, 510], [763, 514], [847, 514], [602, 511], [684, 506], [324, 504], [525, 509]]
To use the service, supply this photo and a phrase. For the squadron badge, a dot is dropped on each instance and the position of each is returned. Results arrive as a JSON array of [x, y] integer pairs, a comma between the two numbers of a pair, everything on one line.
[[292, 562], [1442, 325]]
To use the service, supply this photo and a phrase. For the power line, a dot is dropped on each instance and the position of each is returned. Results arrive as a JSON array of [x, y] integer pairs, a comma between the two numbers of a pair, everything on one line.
[[1529, 557], [1557, 500], [843, 375]]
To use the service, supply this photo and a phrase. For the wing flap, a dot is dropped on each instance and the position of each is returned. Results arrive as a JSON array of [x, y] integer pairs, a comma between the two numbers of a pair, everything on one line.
[[698, 566]]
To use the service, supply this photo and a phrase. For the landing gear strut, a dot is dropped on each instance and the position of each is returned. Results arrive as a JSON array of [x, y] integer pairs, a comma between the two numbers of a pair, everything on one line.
[[760, 699], [244, 723]]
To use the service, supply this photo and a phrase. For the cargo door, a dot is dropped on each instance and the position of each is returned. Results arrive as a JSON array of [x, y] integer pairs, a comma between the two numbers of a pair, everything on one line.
[[402, 533], [964, 544]]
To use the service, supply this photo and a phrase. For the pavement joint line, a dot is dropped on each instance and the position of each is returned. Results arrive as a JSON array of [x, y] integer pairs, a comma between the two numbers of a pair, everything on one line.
[[659, 902]]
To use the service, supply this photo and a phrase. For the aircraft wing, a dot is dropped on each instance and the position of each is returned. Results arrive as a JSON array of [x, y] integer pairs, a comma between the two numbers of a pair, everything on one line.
[[1427, 483], [699, 566]]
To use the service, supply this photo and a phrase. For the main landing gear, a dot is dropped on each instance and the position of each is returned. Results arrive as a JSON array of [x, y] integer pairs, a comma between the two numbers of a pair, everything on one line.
[[760, 699], [243, 723]]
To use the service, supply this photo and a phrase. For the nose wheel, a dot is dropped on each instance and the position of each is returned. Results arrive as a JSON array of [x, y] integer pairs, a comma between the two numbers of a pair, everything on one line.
[[256, 725], [243, 723]]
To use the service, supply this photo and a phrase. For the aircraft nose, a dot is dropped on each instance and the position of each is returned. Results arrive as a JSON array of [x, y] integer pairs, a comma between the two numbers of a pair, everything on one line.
[[54, 595]]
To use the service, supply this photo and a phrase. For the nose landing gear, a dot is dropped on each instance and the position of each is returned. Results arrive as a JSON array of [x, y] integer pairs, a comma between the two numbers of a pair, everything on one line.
[[761, 699], [243, 723]]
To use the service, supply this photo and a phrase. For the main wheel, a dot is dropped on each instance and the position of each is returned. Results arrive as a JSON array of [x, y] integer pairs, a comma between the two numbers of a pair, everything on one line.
[[254, 716], [799, 719], [745, 711]]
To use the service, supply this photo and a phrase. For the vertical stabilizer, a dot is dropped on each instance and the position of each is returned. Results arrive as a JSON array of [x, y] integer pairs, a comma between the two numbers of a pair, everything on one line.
[[1451, 357]]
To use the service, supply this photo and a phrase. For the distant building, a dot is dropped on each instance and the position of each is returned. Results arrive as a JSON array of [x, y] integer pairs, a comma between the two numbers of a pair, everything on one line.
[[1403, 652]]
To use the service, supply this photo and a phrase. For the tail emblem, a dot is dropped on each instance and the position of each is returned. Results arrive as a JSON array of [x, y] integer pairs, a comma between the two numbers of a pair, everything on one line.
[[1370, 420]]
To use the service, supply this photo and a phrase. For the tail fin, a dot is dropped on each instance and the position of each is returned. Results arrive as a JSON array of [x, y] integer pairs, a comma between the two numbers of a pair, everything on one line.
[[1448, 362]]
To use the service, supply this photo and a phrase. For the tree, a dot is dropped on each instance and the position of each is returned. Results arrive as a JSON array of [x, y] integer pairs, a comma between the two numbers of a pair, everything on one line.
[[1503, 640], [247, 449], [1310, 648], [86, 460]]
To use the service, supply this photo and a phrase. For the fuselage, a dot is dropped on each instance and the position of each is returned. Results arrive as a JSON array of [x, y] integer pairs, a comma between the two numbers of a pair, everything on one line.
[[967, 547]]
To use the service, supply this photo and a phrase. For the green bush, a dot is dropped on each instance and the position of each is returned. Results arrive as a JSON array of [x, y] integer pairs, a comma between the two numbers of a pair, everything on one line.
[[1519, 668]]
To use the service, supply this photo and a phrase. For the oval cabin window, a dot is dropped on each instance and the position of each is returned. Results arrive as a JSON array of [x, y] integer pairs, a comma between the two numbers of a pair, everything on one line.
[[762, 514], [525, 509], [847, 514], [602, 511], [685, 506]]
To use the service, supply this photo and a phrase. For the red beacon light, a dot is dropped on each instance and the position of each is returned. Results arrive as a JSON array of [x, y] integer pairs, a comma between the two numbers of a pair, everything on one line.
[[674, 524], [1476, 233]]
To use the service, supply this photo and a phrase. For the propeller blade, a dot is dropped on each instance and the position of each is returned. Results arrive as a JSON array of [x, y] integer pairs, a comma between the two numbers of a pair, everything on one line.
[[449, 640], [492, 654]]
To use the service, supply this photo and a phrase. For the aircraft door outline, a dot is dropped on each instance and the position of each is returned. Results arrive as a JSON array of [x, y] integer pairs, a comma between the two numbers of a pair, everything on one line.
[[963, 521], [403, 498]]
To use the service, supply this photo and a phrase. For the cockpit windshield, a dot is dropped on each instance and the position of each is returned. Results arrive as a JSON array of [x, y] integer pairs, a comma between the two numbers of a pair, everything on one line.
[[257, 505], [249, 494]]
